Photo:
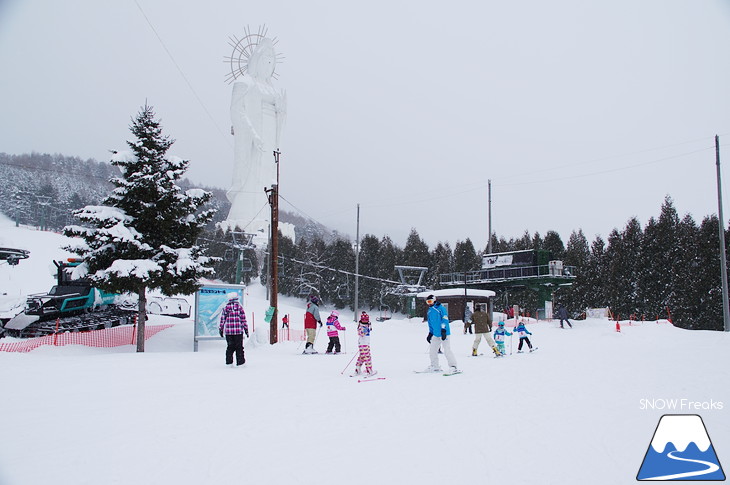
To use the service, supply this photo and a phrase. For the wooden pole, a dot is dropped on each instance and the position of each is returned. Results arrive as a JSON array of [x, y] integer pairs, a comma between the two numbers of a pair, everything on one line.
[[273, 302]]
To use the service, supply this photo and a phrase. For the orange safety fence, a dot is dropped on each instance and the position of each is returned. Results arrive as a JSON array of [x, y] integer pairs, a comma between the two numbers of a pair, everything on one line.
[[108, 337]]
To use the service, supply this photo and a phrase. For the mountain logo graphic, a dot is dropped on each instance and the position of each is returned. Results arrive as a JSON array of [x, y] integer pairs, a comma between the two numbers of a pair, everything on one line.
[[681, 450]]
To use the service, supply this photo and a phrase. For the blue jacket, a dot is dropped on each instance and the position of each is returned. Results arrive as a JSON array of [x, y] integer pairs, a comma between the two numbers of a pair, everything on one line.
[[522, 330], [438, 318], [500, 333]]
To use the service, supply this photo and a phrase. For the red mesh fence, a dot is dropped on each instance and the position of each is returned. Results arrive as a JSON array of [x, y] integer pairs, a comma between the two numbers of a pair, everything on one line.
[[108, 337], [287, 334]]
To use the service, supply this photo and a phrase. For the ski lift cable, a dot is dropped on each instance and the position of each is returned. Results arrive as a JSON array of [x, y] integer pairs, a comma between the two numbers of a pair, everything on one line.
[[610, 170], [320, 266]]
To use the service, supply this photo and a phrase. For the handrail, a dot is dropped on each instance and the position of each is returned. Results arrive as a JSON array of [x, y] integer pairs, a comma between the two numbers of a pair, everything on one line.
[[506, 273]]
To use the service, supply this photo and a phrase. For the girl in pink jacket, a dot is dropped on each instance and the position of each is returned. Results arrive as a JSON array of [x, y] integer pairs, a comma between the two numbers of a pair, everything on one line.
[[333, 325]]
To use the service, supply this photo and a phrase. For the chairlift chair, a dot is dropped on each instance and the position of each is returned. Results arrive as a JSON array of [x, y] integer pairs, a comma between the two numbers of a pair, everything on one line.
[[385, 313]]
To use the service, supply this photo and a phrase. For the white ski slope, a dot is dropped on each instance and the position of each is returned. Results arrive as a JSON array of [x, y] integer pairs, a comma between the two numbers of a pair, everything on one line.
[[567, 414]]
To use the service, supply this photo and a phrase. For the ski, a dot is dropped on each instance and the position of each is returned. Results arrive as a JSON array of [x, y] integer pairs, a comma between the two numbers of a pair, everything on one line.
[[452, 373], [371, 379], [426, 372], [472, 355], [533, 349]]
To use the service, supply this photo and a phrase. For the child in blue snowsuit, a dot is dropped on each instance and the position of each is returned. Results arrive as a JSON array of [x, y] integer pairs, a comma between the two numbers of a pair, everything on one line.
[[499, 335], [522, 331]]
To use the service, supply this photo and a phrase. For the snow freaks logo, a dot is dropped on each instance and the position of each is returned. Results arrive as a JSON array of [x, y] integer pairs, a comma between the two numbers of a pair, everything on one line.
[[681, 450]]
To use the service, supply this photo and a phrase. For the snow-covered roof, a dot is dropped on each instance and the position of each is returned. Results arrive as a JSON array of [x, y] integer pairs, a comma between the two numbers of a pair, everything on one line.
[[457, 292]]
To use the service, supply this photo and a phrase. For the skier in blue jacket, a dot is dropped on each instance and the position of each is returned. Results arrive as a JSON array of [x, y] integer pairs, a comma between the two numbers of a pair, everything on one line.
[[499, 335], [522, 331], [439, 331]]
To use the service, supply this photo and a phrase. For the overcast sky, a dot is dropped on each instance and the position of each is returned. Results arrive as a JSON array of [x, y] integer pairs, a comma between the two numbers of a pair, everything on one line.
[[582, 113]]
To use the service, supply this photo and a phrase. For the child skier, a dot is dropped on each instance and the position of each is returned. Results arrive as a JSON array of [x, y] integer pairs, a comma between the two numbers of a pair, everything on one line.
[[499, 335], [363, 343], [333, 325], [522, 331]]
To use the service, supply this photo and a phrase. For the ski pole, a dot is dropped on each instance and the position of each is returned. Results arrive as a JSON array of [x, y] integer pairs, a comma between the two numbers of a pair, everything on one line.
[[348, 364]]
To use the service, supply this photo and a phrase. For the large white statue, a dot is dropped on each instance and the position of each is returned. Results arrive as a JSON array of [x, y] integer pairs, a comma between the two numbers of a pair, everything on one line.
[[258, 111]]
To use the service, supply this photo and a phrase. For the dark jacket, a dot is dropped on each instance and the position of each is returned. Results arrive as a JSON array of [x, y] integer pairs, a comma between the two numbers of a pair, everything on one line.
[[482, 322], [562, 313]]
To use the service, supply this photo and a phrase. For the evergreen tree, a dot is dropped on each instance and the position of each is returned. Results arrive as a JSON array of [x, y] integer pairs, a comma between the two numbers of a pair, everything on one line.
[[144, 235], [341, 256], [577, 255], [369, 266], [416, 252], [594, 274], [465, 257], [631, 239], [389, 255], [554, 244], [688, 295], [537, 241], [709, 278], [525, 242], [442, 262], [659, 252], [287, 267]]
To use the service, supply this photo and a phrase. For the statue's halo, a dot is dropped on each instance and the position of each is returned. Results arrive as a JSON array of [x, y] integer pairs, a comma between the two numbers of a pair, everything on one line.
[[243, 48]]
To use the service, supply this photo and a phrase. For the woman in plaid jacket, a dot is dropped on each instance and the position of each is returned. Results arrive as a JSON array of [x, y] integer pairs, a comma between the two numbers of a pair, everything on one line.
[[233, 326]]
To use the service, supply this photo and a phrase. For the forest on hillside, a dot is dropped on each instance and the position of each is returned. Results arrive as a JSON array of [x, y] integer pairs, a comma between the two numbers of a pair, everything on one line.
[[668, 268]]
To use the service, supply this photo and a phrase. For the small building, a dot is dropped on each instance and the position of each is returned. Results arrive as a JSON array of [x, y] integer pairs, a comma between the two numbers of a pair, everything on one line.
[[456, 299]]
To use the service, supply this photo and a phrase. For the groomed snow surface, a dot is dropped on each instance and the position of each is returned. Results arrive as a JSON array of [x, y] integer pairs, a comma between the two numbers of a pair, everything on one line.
[[570, 413]]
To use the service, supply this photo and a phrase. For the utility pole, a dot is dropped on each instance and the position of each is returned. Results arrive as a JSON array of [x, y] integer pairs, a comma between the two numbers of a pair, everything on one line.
[[274, 253], [489, 238], [723, 257], [357, 265]]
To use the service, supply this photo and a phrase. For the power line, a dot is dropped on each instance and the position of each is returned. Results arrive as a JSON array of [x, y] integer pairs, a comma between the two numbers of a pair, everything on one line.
[[182, 74]]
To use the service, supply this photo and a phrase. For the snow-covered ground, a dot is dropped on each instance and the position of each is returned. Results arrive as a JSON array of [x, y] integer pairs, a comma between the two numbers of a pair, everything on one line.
[[574, 412]]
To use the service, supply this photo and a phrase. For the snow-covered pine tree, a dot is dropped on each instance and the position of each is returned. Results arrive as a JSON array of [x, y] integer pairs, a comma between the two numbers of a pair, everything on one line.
[[442, 262], [577, 254], [465, 257], [144, 234]]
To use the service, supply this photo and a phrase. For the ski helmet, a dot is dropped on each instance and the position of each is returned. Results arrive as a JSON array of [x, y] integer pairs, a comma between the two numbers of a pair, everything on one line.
[[335, 313], [501, 324]]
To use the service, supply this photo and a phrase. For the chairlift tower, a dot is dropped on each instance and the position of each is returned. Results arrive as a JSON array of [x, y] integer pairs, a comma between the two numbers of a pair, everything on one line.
[[242, 242]]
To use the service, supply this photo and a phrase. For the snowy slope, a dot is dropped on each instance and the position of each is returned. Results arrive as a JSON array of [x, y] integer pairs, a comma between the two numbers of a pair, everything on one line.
[[569, 413]]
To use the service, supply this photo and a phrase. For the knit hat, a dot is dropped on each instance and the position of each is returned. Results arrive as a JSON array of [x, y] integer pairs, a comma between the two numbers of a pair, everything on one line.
[[335, 313], [364, 318], [232, 295]]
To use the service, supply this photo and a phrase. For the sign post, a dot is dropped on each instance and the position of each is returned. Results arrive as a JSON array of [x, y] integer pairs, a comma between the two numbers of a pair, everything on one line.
[[210, 300]]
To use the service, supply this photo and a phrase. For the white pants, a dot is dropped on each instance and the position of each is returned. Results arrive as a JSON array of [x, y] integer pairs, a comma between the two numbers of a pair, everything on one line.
[[436, 342], [478, 339]]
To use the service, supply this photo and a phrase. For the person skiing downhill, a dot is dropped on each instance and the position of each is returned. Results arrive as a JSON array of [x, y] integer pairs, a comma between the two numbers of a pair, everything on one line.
[[439, 329], [522, 331], [233, 326], [499, 335], [311, 319], [333, 325], [363, 344]]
